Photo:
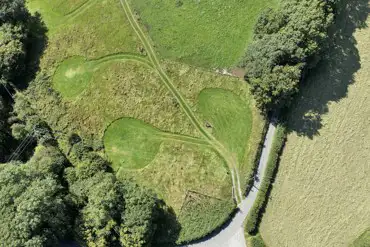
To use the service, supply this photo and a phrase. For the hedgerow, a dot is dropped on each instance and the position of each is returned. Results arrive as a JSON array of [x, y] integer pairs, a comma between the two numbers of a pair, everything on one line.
[[256, 211], [255, 241]]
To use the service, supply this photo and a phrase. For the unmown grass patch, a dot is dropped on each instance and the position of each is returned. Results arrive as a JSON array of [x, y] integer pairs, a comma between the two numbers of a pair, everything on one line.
[[203, 213]]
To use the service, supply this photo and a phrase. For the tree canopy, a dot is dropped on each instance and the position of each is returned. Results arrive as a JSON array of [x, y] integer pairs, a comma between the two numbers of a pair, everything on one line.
[[287, 42], [110, 212], [14, 22], [33, 212]]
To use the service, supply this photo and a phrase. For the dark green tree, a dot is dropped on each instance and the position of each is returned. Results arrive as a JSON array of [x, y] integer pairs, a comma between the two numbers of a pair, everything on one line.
[[13, 11], [33, 212], [110, 212], [287, 43]]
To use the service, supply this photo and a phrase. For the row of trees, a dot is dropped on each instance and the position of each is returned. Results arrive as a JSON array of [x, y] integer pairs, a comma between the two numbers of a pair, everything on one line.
[[287, 43], [14, 30], [13, 33], [109, 212], [47, 200]]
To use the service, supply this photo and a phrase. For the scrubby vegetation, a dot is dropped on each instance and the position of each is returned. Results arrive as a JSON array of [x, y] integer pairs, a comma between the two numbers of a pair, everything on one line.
[[287, 43], [213, 212], [255, 241]]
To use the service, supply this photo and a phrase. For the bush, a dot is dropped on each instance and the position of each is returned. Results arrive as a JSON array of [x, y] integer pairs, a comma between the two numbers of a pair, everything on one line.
[[255, 241], [256, 211]]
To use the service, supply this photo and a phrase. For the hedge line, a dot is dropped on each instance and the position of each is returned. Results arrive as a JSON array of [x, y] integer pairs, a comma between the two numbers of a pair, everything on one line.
[[256, 158], [255, 214]]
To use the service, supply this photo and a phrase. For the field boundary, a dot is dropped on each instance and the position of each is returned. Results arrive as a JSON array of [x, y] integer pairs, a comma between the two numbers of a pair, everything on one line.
[[256, 212]]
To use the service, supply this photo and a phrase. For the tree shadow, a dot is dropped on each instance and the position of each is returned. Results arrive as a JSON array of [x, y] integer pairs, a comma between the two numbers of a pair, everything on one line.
[[330, 80], [36, 43], [168, 227]]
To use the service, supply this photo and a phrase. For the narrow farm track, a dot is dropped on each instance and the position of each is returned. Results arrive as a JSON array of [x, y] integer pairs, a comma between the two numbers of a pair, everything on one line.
[[120, 57], [230, 160], [184, 139], [232, 235], [79, 10]]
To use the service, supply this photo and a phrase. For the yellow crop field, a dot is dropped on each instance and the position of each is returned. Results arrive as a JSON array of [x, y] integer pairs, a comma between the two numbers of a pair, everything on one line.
[[321, 196]]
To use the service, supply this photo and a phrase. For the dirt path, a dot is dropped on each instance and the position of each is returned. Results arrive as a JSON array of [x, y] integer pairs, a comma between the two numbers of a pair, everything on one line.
[[232, 235], [230, 160]]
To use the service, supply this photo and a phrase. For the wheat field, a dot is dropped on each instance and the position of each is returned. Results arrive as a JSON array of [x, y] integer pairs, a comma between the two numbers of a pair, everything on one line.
[[321, 196]]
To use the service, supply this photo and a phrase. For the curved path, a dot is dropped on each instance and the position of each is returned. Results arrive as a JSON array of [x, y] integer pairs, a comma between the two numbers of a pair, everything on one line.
[[232, 235], [79, 10], [230, 160], [120, 57]]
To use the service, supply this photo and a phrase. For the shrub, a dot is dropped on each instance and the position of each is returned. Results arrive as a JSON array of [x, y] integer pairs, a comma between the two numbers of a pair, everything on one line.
[[255, 241]]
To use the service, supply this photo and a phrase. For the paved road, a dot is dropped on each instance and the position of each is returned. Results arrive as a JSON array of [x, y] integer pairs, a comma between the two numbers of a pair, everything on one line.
[[233, 234]]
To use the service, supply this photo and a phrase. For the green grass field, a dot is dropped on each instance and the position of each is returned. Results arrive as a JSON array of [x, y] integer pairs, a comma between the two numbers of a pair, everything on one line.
[[363, 240], [321, 194], [211, 34], [104, 88]]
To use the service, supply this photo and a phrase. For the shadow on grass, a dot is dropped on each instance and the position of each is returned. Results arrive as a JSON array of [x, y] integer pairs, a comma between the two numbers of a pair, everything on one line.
[[168, 228], [329, 81]]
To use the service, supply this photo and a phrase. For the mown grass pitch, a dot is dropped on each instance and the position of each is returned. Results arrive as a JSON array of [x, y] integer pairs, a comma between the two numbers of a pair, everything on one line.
[[110, 94], [321, 194], [210, 34]]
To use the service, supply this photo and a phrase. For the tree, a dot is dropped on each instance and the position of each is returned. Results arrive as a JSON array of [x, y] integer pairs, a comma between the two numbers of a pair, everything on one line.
[[12, 52], [287, 42], [4, 134], [110, 212], [33, 212], [13, 11]]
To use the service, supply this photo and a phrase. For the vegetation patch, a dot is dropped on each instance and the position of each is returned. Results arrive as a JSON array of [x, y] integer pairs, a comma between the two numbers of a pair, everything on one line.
[[255, 241], [73, 75], [204, 33], [203, 213], [363, 240], [130, 143]]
